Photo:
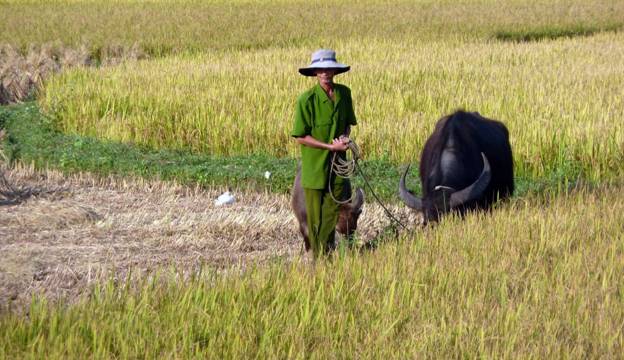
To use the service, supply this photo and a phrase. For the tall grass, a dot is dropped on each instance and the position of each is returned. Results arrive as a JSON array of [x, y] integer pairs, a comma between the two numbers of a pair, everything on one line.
[[537, 278], [560, 99]]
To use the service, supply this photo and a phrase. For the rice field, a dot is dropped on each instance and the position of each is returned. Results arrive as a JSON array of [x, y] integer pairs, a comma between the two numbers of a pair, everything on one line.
[[549, 70], [560, 99], [162, 27], [151, 269]]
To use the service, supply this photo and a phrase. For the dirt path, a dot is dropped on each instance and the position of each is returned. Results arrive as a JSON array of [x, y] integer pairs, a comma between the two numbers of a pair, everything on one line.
[[88, 228]]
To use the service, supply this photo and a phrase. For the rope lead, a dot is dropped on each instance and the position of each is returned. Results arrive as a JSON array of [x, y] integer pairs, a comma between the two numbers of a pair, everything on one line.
[[346, 169]]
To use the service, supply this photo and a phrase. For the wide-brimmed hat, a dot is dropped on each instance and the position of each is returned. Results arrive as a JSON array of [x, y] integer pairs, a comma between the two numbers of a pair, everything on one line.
[[324, 59]]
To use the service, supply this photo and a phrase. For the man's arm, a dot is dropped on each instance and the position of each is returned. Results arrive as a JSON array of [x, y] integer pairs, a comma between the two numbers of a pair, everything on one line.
[[336, 145]]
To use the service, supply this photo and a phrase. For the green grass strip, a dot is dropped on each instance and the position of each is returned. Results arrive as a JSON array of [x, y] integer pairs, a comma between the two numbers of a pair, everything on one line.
[[32, 139]]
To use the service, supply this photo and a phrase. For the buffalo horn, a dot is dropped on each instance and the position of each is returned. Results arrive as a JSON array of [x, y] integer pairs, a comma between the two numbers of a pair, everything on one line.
[[408, 198], [476, 189]]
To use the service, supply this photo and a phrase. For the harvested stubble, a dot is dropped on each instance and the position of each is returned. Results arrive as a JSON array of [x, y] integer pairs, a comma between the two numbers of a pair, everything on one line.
[[23, 74], [91, 228]]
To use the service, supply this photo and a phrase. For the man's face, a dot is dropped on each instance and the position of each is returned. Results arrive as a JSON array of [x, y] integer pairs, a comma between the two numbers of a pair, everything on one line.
[[325, 76]]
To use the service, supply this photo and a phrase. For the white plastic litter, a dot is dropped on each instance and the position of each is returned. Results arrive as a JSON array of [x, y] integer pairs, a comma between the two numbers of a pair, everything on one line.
[[225, 199], [267, 175]]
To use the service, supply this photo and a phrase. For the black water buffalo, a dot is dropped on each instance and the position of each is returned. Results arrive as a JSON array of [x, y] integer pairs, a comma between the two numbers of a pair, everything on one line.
[[466, 164], [347, 218]]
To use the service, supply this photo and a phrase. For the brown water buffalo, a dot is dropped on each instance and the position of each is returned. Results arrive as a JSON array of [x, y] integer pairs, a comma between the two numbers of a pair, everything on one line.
[[466, 164], [348, 216]]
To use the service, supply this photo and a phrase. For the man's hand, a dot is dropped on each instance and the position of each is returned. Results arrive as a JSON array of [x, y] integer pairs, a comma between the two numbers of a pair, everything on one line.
[[339, 144], [344, 139]]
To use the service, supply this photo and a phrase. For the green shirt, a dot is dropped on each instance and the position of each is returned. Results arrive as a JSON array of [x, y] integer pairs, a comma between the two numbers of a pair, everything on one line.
[[317, 115]]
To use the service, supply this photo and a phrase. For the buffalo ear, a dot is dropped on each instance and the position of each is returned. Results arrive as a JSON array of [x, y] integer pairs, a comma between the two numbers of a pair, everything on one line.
[[358, 200]]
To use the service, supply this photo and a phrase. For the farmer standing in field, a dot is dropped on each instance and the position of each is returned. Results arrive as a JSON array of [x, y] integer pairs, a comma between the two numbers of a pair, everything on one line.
[[323, 117]]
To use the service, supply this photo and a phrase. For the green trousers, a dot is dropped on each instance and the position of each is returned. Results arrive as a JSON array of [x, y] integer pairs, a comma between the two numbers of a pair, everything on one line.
[[322, 217]]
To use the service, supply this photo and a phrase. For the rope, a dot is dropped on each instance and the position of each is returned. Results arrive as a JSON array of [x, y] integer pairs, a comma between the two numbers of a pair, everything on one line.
[[346, 169], [343, 168]]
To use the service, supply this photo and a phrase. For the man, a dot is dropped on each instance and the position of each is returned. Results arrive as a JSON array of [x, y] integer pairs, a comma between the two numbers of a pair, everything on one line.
[[323, 117]]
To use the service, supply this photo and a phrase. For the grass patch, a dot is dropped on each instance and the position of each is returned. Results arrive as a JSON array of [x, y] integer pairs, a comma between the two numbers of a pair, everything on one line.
[[32, 139]]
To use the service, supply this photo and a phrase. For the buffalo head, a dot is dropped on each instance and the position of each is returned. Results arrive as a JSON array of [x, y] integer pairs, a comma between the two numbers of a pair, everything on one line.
[[466, 164], [443, 198]]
